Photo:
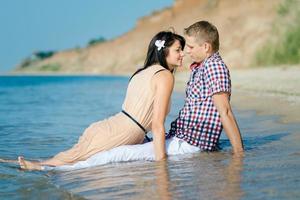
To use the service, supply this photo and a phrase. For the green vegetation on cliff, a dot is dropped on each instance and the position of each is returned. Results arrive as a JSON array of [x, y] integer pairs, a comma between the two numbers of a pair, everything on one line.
[[96, 41], [283, 46], [53, 67], [35, 57]]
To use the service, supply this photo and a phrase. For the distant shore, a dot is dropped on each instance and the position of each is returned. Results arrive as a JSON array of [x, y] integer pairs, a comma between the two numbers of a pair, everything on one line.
[[13, 74], [268, 91]]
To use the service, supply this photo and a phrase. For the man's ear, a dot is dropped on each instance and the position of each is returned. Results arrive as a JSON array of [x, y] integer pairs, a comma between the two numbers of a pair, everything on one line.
[[207, 47]]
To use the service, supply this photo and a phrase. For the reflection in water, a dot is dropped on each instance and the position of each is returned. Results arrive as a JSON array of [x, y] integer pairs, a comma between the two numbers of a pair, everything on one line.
[[232, 179], [204, 176], [213, 176], [162, 180], [120, 180]]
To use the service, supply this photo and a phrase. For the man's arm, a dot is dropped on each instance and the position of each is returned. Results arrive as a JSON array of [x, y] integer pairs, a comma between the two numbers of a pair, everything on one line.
[[221, 101]]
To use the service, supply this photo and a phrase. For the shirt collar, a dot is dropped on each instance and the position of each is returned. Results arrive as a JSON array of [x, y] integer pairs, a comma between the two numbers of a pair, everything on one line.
[[196, 65]]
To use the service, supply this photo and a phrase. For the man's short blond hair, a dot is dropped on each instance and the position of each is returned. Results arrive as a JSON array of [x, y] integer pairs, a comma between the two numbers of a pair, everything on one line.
[[204, 31]]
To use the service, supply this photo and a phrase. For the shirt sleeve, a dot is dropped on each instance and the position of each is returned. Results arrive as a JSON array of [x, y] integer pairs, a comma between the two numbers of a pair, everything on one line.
[[217, 78]]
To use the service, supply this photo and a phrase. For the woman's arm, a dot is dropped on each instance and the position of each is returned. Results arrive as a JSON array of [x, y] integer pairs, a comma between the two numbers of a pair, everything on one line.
[[163, 83], [221, 101]]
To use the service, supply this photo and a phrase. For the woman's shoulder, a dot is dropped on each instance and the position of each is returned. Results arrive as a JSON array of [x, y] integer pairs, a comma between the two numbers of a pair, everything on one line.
[[163, 81], [156, 67], [163, 75], [157, 73]]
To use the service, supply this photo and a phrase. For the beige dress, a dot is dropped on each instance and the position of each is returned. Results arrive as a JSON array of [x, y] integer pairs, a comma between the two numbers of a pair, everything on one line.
[[119, 129]]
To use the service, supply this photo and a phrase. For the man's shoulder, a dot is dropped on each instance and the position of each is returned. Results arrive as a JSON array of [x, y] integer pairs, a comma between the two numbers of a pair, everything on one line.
[[214, 59], [215, 62]]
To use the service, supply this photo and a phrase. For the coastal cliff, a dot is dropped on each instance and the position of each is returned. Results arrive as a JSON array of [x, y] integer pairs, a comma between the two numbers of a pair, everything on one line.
[[244, 26]]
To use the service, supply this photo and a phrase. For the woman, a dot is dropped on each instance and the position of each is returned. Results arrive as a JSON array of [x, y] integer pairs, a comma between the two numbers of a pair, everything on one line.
[[145, 108]]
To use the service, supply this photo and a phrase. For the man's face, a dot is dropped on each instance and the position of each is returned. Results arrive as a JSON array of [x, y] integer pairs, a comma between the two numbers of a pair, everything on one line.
[[197, 51]]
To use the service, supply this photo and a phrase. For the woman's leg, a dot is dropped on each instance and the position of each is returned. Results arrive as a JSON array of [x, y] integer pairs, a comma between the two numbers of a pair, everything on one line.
[[100, 136], [54, 161], [28, 165], [65, 157]]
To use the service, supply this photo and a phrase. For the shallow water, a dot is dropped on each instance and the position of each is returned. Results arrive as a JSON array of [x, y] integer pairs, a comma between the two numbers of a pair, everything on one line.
[[40, 116]]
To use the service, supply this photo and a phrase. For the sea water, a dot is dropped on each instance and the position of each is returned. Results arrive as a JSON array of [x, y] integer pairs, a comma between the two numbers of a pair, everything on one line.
[[43, 115]]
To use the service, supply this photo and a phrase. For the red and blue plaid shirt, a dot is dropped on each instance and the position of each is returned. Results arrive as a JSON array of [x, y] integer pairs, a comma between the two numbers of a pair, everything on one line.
[[199, 122]]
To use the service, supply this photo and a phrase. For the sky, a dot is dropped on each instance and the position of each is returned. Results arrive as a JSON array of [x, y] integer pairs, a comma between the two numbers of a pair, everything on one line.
[[27, 26]]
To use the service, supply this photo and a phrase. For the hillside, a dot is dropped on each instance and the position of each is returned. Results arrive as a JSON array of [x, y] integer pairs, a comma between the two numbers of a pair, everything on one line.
[[243, 25]]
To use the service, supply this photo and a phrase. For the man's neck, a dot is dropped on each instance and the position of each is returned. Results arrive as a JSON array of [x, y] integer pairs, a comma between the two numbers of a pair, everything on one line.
[[209, 54], [198, 64]]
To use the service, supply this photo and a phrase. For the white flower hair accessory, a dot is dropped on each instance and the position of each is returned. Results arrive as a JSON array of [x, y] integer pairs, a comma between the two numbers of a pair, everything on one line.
[[160, 44]]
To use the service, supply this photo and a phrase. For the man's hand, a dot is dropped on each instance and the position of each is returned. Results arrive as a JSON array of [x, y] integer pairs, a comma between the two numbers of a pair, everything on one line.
[[221, 101]]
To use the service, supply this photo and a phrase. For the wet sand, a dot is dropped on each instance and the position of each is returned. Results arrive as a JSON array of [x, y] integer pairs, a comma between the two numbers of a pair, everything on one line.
[[268, 91]]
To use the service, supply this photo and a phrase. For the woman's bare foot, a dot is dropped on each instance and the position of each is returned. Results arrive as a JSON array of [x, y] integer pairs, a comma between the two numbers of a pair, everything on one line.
[[28, 165]]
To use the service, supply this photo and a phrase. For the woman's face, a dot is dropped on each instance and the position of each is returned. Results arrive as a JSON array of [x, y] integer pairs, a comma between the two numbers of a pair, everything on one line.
[[175, 55]]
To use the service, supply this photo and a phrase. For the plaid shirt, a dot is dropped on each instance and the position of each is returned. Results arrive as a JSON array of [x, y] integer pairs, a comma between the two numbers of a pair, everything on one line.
[[199, 122]]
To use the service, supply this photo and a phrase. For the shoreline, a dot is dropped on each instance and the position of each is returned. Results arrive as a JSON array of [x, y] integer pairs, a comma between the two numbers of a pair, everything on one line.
[[267, 91]]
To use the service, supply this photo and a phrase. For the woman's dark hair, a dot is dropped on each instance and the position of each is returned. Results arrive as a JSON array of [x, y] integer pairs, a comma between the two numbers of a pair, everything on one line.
[[158, 56]]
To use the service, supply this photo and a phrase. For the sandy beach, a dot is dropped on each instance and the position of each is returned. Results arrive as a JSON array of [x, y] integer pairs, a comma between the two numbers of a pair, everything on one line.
[[268, 91]]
